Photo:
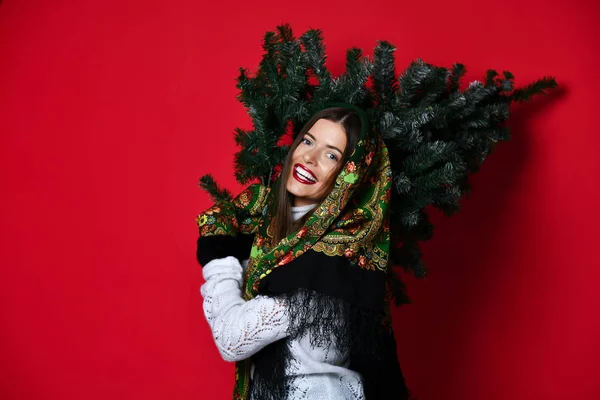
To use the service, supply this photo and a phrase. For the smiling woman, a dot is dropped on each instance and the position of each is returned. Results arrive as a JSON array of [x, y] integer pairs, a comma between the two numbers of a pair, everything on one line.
[[315, 158], [314, 161], [311, 256]]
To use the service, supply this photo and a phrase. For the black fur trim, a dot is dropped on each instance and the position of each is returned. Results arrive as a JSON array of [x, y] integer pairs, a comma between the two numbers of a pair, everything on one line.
[[213, 247]]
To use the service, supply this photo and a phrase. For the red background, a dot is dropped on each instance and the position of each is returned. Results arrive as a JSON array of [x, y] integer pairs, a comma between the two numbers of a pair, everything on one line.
[[111, 111]]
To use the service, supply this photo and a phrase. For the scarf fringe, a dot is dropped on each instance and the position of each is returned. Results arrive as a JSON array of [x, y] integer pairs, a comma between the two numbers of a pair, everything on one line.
[[356, 331]]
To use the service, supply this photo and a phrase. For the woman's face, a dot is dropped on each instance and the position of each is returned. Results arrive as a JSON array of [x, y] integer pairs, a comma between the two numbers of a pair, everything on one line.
[[315, 160]]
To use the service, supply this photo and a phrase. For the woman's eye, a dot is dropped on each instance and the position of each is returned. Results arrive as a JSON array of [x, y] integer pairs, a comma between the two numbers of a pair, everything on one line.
[[306, 141], [332, 156]]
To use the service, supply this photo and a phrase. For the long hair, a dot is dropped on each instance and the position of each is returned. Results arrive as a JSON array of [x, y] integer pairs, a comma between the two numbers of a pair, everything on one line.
[[351, 125]]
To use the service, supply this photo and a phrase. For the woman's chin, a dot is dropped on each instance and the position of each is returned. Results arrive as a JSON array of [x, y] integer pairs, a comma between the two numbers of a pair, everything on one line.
[[298, 189]]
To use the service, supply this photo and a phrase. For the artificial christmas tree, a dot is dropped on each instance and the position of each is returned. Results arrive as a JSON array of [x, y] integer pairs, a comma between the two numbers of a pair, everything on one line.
[[436, 133]]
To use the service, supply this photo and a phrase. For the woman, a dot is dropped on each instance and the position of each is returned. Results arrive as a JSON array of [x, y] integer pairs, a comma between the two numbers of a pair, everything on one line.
[[308, 318]]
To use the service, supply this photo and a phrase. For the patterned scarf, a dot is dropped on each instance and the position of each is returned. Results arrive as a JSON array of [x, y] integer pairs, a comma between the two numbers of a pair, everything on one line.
[[350, 224]]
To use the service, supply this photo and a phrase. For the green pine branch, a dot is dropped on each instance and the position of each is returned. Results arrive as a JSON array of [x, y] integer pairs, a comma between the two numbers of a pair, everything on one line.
[[218, 194]]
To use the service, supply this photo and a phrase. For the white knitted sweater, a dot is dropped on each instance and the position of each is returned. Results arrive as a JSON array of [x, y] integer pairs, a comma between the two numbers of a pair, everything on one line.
[[241, 328]]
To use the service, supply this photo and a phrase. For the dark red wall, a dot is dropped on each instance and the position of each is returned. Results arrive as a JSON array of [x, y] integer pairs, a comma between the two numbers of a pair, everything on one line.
[[111, 111]]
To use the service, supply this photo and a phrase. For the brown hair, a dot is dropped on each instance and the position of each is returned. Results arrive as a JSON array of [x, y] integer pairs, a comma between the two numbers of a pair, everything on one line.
[[351, 124]]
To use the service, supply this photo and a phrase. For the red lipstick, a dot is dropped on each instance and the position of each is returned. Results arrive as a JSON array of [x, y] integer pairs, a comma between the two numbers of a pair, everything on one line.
[[303, 175]]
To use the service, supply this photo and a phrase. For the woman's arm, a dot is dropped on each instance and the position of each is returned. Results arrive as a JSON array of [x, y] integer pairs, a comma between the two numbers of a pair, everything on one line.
[[240, 328]]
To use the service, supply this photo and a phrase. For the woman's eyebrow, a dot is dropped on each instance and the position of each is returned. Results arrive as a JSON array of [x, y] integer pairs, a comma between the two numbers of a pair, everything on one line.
[[328, 145]]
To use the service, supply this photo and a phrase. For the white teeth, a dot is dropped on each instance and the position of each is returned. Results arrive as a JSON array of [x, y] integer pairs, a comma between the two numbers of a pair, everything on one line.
[[305, 175]]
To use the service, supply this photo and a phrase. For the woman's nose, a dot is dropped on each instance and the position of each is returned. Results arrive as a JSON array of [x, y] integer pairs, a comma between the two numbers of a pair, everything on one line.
[[309, 158]]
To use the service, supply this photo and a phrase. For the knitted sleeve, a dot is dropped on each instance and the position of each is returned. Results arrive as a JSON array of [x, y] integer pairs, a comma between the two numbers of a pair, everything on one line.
[[240, 328]]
